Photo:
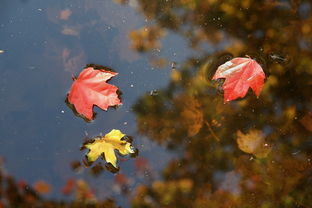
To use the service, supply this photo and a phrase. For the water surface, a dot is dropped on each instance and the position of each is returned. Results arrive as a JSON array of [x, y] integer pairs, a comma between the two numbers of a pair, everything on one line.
[[194, 150]]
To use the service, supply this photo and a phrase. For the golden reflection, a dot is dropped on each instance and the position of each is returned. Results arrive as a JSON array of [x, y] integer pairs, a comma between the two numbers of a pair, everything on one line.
[[214, 138], [146, 38]]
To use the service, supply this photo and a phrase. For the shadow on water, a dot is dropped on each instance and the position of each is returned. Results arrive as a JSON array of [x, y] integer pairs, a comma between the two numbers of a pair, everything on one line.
[[251, 152]]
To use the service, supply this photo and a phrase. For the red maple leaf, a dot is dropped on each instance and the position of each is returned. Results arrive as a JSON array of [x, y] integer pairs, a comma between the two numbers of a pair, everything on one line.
[[240, 74], [90, 88]]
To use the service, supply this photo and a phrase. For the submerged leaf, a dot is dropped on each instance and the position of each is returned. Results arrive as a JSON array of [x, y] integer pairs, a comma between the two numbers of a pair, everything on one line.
[[253, 143], [191, 114], [106, 146], [306, 121], [69, 187], [42, 187], [239, 75]]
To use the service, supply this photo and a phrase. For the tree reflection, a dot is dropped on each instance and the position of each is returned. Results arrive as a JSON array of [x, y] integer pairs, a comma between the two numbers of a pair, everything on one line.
[[189, 115], [20, 194]]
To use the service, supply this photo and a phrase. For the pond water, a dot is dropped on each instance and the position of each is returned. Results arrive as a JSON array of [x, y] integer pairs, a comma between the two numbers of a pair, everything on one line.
[[194, 149]]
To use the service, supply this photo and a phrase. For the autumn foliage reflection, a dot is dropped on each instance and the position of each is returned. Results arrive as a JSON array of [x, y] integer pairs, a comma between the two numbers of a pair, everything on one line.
[[15, 193], [247, 153]]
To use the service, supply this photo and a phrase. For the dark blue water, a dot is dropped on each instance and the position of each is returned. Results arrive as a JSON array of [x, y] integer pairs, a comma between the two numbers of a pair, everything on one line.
[[40, 135]]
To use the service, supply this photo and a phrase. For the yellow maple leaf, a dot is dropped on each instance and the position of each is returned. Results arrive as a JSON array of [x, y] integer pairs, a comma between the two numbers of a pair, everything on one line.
[[106, 145]]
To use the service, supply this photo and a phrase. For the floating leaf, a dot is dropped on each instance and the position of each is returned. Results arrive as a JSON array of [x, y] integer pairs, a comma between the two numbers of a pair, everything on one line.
[[253, 143], [106, 146], [239, 75], [90, 88]]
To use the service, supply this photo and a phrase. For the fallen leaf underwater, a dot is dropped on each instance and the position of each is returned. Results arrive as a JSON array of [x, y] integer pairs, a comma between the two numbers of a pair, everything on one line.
[[90, 88], [239, 75], [253, 142]]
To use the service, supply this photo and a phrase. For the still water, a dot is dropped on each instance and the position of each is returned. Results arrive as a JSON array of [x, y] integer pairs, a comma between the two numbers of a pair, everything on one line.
[[194, 150]]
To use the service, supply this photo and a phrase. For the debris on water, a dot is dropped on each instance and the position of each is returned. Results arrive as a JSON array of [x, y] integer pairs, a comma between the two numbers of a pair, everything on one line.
[[294, 153], [131, 85], [173, 65], [1, 51], [279, 58], [62, 111], [153, 92], [274, 56], [31, 67]]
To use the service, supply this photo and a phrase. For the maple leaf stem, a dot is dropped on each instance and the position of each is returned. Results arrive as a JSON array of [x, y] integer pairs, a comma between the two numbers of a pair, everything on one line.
[[74, 77], [211, 131], [247, 56]]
